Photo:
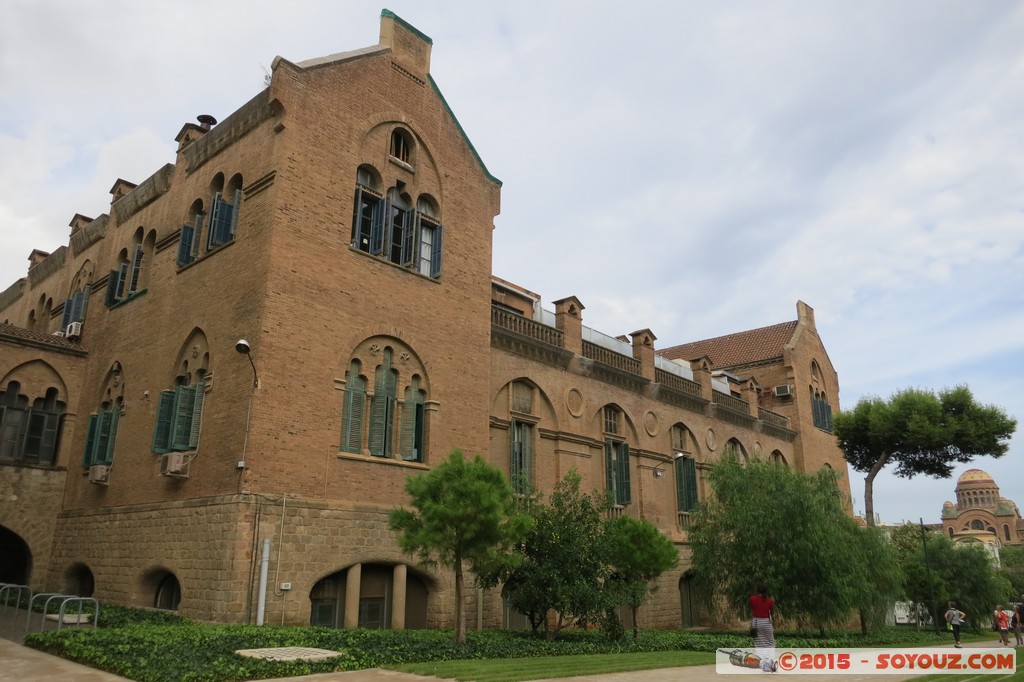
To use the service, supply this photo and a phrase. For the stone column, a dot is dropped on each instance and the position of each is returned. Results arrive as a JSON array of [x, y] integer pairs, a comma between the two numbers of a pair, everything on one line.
[[398, 597], [352, 580]]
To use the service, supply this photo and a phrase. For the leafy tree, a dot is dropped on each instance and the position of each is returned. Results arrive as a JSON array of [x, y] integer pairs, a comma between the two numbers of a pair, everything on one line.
[[1011, 558], [638, 553], [879, 583], [963, 573], [563, 565], [921, 433], [463, 512], [766, 523]]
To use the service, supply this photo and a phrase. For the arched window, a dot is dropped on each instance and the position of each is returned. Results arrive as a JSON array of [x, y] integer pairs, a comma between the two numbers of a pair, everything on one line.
[[1006, 532], [616, 454], [30, 434], [521, 436], [685, 467], [401, 145], [180, 410]]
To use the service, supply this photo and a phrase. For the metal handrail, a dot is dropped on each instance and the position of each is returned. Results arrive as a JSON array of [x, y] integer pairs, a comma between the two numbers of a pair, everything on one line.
[[4, 587], [81, 601]]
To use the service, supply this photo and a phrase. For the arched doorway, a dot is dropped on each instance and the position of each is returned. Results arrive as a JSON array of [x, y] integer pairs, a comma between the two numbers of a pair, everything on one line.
[[15, 558], [79, 581], [688, 601]]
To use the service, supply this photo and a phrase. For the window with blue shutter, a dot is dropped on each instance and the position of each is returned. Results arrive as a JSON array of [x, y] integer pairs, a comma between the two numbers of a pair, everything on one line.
[[136, 270], [222, 221], [185, 244], [625, 491], [378, 227]]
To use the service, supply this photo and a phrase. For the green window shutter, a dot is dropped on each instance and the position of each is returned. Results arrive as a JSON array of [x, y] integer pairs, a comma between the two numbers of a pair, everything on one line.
[[515, 464], [686, 484], [181, 423], [164, 417], [107, 456], [352, 420], [100, 447], [625, 489], [382, 411], [405, 436], [197, 416], [90, 440], [51, 437]]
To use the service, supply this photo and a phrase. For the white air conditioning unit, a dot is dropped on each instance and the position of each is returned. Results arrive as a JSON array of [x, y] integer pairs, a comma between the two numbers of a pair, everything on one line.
[[783, 390], [173, 464], [60, 334], [99, 473], [74, 330]]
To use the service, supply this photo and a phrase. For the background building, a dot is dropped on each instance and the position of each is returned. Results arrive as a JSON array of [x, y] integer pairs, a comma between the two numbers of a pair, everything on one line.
[[981, 515], [340, 224]]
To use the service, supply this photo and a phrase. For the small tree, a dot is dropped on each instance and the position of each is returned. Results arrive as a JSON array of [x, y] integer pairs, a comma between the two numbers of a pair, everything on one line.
[[921, 433], [563, 565], [638, 553], [462, 513]]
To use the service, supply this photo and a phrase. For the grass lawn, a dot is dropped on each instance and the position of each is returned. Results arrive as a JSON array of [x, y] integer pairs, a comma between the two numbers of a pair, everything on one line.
[[519, 669]]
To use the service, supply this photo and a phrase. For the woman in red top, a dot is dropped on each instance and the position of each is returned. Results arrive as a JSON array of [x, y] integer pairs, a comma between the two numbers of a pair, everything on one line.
[[761, 606]]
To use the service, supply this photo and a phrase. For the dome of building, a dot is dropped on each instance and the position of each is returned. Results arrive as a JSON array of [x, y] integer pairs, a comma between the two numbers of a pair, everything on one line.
[[947, 504], [974, 476]]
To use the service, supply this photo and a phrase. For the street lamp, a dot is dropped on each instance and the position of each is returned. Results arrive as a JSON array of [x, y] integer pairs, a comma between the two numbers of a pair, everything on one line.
[[928, 575], [242, 346], [658, 471]]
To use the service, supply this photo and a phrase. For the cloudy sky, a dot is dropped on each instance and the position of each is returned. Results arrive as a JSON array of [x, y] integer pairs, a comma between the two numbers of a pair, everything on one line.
[[690, 167]]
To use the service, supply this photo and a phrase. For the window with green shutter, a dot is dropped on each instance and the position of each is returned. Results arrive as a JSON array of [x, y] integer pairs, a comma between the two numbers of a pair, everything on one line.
[[411, 439], [179, 419], [382, 408], [354, 404], [521, 464], [617, 471], [101, 436], [686, 484]]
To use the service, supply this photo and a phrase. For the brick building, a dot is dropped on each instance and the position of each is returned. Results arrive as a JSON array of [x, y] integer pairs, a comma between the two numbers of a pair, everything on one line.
[[245, 358], [981, 515]]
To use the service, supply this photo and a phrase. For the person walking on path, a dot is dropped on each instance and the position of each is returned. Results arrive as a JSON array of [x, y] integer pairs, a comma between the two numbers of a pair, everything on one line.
[[761, 607], [955, 618], [1002, 624], [1015, 624]]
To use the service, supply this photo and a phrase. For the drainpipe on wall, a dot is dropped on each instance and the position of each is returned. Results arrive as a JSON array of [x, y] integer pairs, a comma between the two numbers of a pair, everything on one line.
[[262, 604]]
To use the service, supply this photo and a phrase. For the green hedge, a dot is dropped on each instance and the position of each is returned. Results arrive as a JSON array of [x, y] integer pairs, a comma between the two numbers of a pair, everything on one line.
[[145, 647]]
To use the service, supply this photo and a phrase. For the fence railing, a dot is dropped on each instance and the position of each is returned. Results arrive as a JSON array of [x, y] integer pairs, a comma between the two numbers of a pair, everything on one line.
[[731, 402], [526, 327], [677, 382], [611, 358]]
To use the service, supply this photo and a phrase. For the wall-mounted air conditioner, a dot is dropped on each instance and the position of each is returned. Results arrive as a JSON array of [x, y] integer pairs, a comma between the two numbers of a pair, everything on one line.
[[173, 464], [74, 330], [783, 390], [99, 473]]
